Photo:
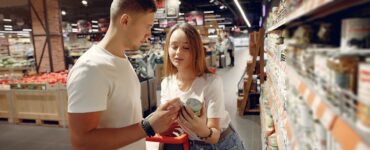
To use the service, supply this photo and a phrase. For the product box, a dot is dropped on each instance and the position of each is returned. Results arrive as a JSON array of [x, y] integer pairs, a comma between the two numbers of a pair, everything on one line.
[[355, 33], [321, 69], [364, 83], [363, 107]]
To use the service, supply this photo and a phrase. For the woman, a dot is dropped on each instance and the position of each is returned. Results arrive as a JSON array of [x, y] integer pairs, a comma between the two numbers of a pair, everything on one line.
[[186, 75]]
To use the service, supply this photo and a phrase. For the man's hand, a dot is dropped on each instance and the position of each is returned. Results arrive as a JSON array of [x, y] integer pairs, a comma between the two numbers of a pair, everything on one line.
[[165, 115]]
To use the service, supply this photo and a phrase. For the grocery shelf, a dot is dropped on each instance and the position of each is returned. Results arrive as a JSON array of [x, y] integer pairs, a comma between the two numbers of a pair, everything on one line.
[[343, 130], [276, 107], [263, 125], [316, 8]]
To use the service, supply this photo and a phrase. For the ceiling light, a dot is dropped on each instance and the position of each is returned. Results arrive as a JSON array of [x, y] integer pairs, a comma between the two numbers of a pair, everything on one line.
[[225, 23], [212, 16], [214, 19], [7, 20], [242, 12], [181, 14], [158, 29], [260, 23], [208, 12], [94, 21], [84, 2], [64, 13], [211, 1], [27, 30], [8, 29], [8, 26]]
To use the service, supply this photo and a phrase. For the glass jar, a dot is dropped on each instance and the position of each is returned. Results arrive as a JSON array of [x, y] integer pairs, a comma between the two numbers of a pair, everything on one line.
[[343, 72]]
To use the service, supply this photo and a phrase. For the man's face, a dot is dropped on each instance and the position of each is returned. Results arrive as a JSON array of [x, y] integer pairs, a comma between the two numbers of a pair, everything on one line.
[[139, 29]]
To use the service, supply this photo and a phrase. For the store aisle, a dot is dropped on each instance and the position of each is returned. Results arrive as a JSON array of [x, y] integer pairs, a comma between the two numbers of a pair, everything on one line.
[[248, 127], [16, 137], [30, 137]]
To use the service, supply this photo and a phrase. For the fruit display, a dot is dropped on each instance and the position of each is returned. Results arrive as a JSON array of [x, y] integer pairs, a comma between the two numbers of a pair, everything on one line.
[[39, 82]]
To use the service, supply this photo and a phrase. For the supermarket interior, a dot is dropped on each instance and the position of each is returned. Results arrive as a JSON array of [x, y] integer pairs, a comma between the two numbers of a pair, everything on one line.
[[295, 73]]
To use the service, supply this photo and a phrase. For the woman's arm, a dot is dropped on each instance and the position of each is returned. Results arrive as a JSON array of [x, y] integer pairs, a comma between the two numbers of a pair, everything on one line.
[[201, 125]]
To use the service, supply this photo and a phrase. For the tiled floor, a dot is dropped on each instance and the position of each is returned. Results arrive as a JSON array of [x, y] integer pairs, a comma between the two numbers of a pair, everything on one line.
[[28, 137]]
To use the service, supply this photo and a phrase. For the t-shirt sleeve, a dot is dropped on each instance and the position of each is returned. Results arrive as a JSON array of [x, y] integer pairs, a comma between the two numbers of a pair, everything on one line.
[[87, 89], [164, 91], [215, 97]]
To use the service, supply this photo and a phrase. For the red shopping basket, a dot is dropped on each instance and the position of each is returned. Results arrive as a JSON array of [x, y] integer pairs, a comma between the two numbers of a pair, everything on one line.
[[182, 139]]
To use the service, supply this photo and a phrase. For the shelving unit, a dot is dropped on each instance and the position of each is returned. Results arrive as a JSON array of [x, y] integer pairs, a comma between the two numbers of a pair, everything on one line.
[[313, 9], [310, 112], [256, 51]]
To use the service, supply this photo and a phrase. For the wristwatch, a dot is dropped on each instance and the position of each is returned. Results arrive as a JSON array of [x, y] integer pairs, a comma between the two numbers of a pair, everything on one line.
[[147, 128]]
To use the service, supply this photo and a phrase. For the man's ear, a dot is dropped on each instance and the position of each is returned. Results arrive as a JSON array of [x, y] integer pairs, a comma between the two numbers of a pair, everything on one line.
[[124, 19]]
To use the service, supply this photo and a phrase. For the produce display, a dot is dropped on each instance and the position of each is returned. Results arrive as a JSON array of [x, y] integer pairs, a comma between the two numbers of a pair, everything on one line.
[[39, 82], [9, 62]]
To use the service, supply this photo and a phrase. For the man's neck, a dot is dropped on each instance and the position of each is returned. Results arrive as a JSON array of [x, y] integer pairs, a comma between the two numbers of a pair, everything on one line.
[[111, 43]]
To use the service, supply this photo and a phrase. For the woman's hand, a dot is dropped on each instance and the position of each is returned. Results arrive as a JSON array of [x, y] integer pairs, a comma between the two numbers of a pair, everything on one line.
[[194, 123]]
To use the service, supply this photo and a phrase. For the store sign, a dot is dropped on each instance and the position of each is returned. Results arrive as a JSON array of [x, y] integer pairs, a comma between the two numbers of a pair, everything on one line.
[[195, 18], [161, 4], [172, 8], [162, 23], [83, 26], [171, 22], [160, 13]]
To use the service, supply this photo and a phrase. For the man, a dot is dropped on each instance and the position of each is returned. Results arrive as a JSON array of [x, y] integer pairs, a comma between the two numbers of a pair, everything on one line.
[[230, 49], [104, 92]]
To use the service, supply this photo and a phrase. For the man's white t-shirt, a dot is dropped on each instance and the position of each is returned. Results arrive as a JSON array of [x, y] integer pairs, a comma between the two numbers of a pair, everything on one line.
[[100, 81], [208, 89]]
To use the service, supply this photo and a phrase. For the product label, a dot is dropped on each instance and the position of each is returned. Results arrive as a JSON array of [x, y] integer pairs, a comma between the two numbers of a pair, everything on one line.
[[364, 83]]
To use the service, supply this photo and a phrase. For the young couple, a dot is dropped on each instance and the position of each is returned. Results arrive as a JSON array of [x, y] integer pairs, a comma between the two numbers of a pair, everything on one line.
[[104, 92]]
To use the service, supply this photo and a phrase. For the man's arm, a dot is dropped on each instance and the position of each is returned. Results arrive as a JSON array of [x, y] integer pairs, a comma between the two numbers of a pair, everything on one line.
[[85, 134]]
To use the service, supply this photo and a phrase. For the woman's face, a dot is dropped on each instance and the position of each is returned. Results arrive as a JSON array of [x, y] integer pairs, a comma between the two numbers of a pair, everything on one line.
[[179, 50]]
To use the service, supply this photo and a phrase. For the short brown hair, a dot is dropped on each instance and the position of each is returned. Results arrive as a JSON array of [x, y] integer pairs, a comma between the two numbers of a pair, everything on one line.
[[119, 7], [196, 48]]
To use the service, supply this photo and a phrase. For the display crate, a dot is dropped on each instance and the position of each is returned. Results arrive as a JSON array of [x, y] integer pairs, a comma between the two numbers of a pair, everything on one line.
[[38, 107], [6, 111]]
